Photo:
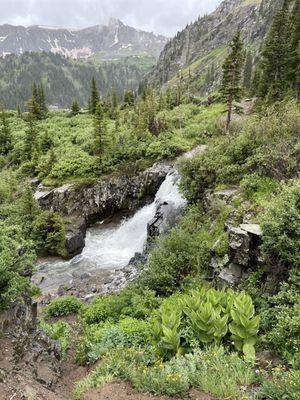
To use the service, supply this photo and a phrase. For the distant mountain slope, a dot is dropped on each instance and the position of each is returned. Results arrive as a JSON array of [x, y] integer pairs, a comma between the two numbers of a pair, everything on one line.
[[65, 79], [202, 44], [114, 41]]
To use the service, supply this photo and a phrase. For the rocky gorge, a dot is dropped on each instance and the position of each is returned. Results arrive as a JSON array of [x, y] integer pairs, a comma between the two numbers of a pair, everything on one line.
[[82, 205]]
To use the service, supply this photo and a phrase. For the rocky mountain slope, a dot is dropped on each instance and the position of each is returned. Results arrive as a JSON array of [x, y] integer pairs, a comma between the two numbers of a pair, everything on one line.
[[113, 41], [193, 51]]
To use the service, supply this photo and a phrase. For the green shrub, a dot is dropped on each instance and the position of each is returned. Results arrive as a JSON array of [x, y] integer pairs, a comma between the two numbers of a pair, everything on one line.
[[100, 339], [63, 306], [281, 228], [59, 331], [136, 303], [184, 252], [49, 233], [219, 373], [280, 321], [205, 316], [258, 188], [281, 385], [16, 263]]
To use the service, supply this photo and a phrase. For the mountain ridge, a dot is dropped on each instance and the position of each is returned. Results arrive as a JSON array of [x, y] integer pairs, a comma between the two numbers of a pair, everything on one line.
[[204, 42], [114, 40]]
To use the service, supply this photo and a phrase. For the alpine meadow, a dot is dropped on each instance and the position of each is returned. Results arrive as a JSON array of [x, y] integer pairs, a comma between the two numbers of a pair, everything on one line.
[[150, 200]]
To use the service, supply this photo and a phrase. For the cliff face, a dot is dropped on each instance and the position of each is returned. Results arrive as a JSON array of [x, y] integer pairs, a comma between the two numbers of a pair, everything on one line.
[[204, 42]]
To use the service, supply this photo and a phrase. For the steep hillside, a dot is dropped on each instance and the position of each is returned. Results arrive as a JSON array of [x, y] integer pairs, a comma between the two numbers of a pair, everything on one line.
[[193, 51], [65, 79], [114, 41]]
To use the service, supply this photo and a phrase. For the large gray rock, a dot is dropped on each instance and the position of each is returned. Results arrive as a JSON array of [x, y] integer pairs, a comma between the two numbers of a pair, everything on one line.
[[239, 245], [164, 219], [244, 254], [104, 197]]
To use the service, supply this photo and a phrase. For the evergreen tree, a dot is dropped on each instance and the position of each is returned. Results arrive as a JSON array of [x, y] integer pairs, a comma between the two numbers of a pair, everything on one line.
[[293, 72], [19, 112], [46, 142], [41, 100], [75, 109], [5, 134], [30, 133], [28, 207], [232, 69], [100, 132], [275, 56], [129, 98], [94, 97], [247, 79], [33, 105], [256, 80]]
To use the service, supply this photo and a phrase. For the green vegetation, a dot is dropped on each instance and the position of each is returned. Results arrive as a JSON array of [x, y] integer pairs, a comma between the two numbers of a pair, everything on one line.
[[231, 88], [62, 306], [176, 259], [281, 384], [201, 369], [174, 328], [59, 331], [66, 79]]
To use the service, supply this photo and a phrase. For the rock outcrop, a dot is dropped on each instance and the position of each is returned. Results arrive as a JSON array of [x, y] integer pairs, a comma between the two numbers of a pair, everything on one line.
[[32, 352], [244, 240], [244, 253]]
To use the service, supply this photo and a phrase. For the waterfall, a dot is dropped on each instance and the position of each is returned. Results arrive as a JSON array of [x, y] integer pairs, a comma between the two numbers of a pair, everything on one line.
[[112, 245]]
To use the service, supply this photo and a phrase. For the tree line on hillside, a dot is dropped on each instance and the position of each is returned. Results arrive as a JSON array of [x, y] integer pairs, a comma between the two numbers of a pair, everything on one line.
[[65, 79], [275, 76]]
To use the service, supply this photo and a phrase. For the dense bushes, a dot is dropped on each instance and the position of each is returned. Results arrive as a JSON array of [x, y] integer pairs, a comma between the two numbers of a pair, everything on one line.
[[98, 340], [48, 231], [267, 145], [16, 263], [63, 306], [185, 252], [136, 303], [280, 320], [212, 370], [205, 316], [281, 228]]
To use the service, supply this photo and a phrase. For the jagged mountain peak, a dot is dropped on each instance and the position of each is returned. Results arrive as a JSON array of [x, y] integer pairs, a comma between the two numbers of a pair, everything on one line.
[[114, 40]]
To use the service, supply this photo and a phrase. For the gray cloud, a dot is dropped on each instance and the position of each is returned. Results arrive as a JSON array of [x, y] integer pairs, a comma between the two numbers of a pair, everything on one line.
[[159, 16]]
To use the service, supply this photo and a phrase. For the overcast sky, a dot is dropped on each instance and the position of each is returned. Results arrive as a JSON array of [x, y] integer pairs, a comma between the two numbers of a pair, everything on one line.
[[159, 16]]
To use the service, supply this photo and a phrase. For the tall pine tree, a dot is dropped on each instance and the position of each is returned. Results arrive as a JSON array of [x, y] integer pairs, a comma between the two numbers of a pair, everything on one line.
[[75, 109], [30, 132], [231, 89], [293, 73], [100, 132], [5, 134], [247, 79], [275, 55], [94, 97]]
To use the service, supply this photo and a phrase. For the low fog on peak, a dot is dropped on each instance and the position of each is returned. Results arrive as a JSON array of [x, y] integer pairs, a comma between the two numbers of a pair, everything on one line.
[[159, 16]]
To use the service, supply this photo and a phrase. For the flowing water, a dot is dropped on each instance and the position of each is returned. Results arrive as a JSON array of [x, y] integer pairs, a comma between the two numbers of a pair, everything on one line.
[[111, 245]]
